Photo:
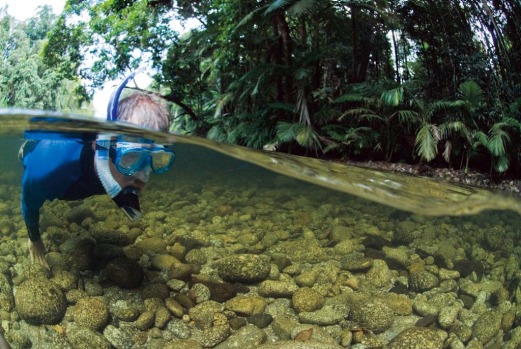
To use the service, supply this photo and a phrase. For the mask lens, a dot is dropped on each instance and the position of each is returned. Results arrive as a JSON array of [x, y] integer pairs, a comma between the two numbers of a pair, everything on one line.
[[130, 161], [162, 161]]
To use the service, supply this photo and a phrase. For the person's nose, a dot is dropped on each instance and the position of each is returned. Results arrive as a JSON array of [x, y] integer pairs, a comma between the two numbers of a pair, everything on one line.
[[144, 174]]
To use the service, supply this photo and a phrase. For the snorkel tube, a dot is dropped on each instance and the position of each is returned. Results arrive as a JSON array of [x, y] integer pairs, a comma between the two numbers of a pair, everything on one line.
[[112, 109], [127, 199]]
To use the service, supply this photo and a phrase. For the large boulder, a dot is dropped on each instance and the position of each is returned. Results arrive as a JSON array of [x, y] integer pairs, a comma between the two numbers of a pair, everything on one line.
[[40, 301]]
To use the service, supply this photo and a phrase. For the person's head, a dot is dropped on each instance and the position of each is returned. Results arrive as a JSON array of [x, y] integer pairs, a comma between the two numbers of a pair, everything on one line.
[[145, 110], [124, 165]]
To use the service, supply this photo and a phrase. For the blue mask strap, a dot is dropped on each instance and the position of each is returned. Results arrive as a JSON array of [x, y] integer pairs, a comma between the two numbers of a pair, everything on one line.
[[112, 110]]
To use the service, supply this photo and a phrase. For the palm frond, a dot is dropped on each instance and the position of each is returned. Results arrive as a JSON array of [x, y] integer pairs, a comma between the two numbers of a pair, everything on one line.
[[498, 140], [471, 92], [249, 17], [221, 103], [307, 137], [407, 116], [303, 7], [427, 141], [282, 106], [286, 131], [302, 107], [277, 5], [392, 97], [501, 164], [447, 151], [351, 97], [361, 114]]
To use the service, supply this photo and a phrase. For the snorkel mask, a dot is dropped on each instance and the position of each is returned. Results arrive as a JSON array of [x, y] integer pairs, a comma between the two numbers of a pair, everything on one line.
[[132, 157]]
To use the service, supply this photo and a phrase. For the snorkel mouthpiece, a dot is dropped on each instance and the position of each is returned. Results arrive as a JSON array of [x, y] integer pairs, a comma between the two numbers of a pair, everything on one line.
[[128, 201]]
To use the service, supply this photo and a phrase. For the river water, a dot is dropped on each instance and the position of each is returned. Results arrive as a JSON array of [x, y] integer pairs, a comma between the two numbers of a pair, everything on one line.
[[300, 242]]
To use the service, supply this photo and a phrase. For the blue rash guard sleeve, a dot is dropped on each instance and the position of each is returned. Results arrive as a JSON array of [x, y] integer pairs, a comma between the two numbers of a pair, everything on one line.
[[51, 168]]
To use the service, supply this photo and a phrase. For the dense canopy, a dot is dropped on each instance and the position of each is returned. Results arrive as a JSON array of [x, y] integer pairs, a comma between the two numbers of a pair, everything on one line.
[[419, 80]]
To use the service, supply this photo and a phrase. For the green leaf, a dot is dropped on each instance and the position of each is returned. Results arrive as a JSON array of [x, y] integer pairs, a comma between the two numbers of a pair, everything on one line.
[[350, 97], [392, 97], [501, 164], [427, 142]]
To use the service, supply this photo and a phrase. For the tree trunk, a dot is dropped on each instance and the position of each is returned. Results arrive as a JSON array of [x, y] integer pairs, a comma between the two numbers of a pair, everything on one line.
[[287, 51]]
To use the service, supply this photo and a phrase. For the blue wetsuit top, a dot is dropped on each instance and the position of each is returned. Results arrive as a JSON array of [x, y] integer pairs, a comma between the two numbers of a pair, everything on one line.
[[56, 169]]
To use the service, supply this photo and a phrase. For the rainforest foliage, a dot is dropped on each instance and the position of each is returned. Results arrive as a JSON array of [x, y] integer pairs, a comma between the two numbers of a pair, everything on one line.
[[433, 81], [25, 80]]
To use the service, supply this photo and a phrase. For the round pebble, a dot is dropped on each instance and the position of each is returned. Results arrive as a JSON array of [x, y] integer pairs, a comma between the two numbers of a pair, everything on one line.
[[40, 302]]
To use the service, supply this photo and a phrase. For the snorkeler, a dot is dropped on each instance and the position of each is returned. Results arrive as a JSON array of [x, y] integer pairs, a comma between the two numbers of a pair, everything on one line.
[[74, 169]]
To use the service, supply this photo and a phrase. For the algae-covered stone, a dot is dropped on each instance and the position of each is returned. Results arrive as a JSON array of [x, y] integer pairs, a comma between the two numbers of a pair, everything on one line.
[[448, 316], [164, 261], [199, 293], [40, 302], [152, 246], [124, 311], [283, 325], [246, 305], [486, 326], [155, 290], [400, 304], [217, 333], [418, 337], [276, 289], [307, 299], [86, 338], [246, 268], [92, 313], [184, 344], [373, 314], [66, 280], [307, 278], [326, 316], [203, 313], [125, 273], [6, 293], [162, 317], [249, 336], [174, 307], [423, 281], [119, 337], [379, 276], [145, 320]]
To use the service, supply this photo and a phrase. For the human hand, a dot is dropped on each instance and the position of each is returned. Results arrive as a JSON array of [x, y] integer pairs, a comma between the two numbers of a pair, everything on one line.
[[37, 252]]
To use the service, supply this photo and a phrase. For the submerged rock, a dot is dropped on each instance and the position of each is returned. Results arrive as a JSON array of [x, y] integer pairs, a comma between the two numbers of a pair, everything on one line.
[[92, 313], [86, 338], [249, 336], [373, 314], [40, 301], [307, 299], [418, 337], [486, 326], [423, 281], [125, 273], [246, 268]]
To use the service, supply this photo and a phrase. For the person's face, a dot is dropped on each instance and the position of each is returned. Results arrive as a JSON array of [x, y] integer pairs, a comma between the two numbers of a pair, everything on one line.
[[138, 180]]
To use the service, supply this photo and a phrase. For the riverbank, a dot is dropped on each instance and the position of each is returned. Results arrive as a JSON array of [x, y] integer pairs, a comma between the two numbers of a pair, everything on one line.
[[478, 179]]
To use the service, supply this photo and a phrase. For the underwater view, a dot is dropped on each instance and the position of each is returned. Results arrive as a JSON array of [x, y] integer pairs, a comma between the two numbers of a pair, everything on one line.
[[238, 248]]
